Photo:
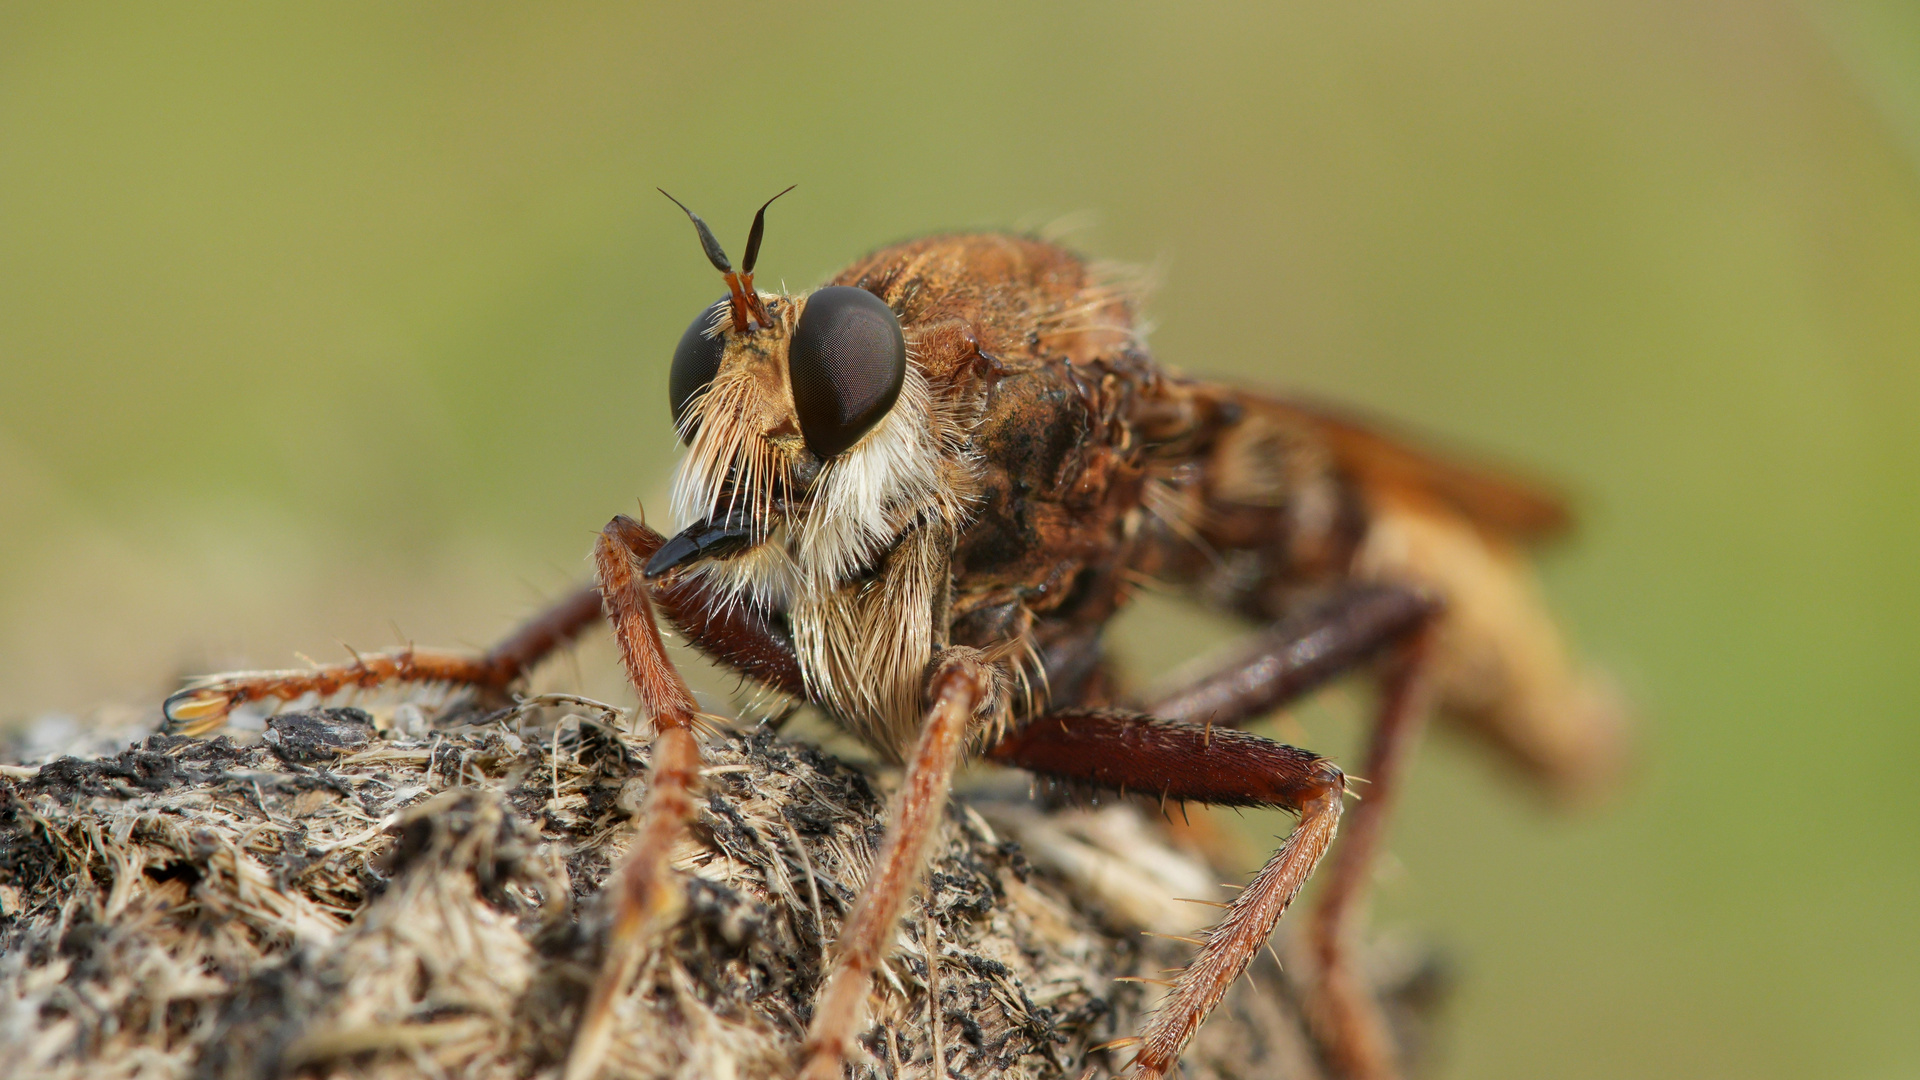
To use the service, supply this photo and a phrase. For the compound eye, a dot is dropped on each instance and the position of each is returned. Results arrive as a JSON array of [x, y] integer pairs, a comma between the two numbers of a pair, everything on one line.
[[847, 361], [696, 360]]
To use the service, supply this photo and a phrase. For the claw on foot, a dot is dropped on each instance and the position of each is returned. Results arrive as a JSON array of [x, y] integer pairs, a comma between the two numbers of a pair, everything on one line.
[[196, 710], [200, 709]]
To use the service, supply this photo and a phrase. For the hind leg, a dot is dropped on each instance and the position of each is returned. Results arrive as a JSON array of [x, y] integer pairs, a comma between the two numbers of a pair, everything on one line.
[[1344, 1014], [1188, 750], [1222, 767]]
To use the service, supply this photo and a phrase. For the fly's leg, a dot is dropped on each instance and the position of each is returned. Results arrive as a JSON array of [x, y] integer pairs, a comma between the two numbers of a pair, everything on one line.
[[961, 683], [646, 895], [203, 707], [1222, 767], [731, 633], [1344, 1014], [1300, 652], [1157, 756], [1292, 657]]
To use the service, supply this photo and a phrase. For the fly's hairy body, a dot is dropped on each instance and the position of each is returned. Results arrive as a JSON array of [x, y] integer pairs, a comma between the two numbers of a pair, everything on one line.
[[1040, 466], [916, 496]]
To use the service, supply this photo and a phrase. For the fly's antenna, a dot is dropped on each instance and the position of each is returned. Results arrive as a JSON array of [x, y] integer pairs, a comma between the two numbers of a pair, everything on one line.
[[740, 306], [715, 254], [744, 305], [754, 234]]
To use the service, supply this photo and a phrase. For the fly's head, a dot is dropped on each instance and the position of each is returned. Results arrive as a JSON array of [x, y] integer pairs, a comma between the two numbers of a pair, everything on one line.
[[814, 444]]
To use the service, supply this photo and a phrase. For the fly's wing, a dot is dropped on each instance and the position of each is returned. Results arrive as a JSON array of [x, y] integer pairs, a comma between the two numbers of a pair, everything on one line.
[[1461, 531], [1386, 466]]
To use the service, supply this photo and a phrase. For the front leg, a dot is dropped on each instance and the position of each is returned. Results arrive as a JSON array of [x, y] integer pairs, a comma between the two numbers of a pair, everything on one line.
[[961, 683], [733, 633], [647, 895], [203, 707]]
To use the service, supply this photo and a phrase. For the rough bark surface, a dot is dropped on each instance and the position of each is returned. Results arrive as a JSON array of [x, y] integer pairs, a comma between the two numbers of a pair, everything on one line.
[[352, 896]]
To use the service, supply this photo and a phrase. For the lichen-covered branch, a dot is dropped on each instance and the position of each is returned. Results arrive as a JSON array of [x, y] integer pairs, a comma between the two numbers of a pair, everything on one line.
[[342, 898]]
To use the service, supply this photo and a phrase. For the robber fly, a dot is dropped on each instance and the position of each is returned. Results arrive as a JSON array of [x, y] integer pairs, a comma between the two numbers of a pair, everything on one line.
[[915, 497]]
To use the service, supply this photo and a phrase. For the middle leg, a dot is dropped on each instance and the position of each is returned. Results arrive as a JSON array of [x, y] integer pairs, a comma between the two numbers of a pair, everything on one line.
[[962, 681]]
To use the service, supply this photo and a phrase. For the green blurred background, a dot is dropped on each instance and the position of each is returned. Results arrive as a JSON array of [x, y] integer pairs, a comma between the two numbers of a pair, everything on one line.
[[336, 324]]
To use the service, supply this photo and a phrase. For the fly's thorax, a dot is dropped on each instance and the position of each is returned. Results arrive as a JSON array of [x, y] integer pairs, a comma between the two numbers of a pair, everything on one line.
[[865, 646]]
